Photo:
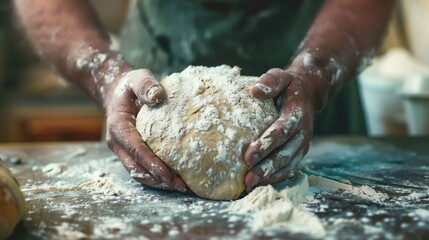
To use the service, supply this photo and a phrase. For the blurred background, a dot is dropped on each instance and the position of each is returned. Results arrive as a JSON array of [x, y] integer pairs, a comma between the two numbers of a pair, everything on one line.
[[38, 105], [35, 103], [394, 90]]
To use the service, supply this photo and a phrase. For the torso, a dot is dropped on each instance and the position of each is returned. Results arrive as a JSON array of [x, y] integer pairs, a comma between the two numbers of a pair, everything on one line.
[[253, 35]]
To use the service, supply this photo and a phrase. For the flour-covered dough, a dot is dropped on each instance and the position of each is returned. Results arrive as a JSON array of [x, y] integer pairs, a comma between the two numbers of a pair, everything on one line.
[[203, 128]]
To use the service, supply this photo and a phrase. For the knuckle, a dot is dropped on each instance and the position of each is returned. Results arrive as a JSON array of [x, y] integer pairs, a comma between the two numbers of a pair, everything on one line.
[[134, 152], [144, 85], [269, 79], [289, 125]]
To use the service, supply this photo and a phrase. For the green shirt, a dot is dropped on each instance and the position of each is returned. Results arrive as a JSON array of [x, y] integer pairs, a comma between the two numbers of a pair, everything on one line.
[[252, 34]]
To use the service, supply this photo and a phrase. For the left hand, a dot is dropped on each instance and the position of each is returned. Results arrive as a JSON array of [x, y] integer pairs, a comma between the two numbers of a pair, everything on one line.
[[123, 99], [278, 151]]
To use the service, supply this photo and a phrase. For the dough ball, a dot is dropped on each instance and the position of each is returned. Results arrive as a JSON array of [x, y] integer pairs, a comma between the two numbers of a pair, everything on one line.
[[204, 126]]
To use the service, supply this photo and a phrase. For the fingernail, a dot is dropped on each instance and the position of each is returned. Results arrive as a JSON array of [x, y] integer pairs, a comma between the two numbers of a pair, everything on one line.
[[255, 181], [151, 93], [264, 88]]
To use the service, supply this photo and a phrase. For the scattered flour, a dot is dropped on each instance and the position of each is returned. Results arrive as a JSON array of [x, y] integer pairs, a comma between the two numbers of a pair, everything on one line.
[[421, 213], [76, 153], [82, 176], [157, 228], [173, 232], [271, 208], [66, 231], [265, 207], [287, 208], [53, 169], [363, 191], [110, 227]]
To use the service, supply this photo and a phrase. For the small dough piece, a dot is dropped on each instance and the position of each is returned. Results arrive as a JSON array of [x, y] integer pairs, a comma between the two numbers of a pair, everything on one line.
[[204, 126], [12, 204]]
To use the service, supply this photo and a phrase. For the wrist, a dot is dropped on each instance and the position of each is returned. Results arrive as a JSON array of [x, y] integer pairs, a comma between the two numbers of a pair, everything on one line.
[[96, 70], [108, 74], [319, 75]]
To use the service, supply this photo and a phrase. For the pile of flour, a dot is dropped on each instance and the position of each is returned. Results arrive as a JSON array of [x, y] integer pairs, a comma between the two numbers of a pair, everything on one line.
[[286, 208]]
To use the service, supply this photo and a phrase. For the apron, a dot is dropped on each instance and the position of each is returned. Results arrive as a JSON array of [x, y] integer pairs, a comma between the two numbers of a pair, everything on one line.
[[167, 36]]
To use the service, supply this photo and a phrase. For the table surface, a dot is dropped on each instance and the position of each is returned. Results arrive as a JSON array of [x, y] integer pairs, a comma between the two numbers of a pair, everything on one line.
[[95, 197]]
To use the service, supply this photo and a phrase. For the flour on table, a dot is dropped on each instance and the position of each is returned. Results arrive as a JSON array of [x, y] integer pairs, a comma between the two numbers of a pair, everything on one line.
[[110, 226], [286, 208], [204, 126], [66, 231], [364, 191], [76, 153], [96, 180], [421, 213], [53, 169], [281, 209]]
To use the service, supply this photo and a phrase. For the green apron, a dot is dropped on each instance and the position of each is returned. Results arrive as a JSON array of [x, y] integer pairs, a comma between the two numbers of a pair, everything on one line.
[[167, 36]]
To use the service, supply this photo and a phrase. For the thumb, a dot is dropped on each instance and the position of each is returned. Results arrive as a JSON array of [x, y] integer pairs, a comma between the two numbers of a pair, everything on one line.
[[270, 84], [145, 86]]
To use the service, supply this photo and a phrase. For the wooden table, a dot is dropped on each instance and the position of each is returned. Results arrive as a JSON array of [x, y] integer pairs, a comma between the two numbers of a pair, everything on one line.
[[97, 199]]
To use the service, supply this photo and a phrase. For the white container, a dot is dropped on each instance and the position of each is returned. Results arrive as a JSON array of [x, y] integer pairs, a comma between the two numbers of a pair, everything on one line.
[[415, 97], [381, 100]]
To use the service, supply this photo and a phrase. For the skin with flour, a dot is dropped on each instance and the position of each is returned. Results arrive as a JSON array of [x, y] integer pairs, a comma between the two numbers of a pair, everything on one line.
[[342, 36]]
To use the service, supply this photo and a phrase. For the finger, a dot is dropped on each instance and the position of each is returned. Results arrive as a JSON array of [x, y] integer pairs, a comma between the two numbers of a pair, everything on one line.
[[283, 173], [121, 129], [278, 176], [270, 84], [126, 134], [144, 85], [276, 135], [145, 178], [275, 161]]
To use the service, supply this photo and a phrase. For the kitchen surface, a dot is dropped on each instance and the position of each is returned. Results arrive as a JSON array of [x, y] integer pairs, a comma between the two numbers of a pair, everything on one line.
[[81, 191], [369, 183]]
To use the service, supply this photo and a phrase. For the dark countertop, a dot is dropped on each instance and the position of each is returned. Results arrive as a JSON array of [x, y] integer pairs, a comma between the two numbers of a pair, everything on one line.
[[119, 208]]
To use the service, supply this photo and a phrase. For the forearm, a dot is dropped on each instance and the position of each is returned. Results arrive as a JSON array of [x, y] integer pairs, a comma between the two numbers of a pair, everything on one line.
[[341, 40], [67, 34]]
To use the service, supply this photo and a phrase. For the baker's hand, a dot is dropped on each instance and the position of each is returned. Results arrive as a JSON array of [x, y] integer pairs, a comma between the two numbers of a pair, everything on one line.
[[278, 151], [123, 100]]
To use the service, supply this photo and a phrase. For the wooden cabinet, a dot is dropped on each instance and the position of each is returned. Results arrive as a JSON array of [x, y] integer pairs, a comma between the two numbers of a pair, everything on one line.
[[53, 119], [79, 128]]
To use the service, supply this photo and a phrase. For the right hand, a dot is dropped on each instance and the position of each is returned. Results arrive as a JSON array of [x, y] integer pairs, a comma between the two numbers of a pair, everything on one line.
[[289, 136], [123, 99]]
